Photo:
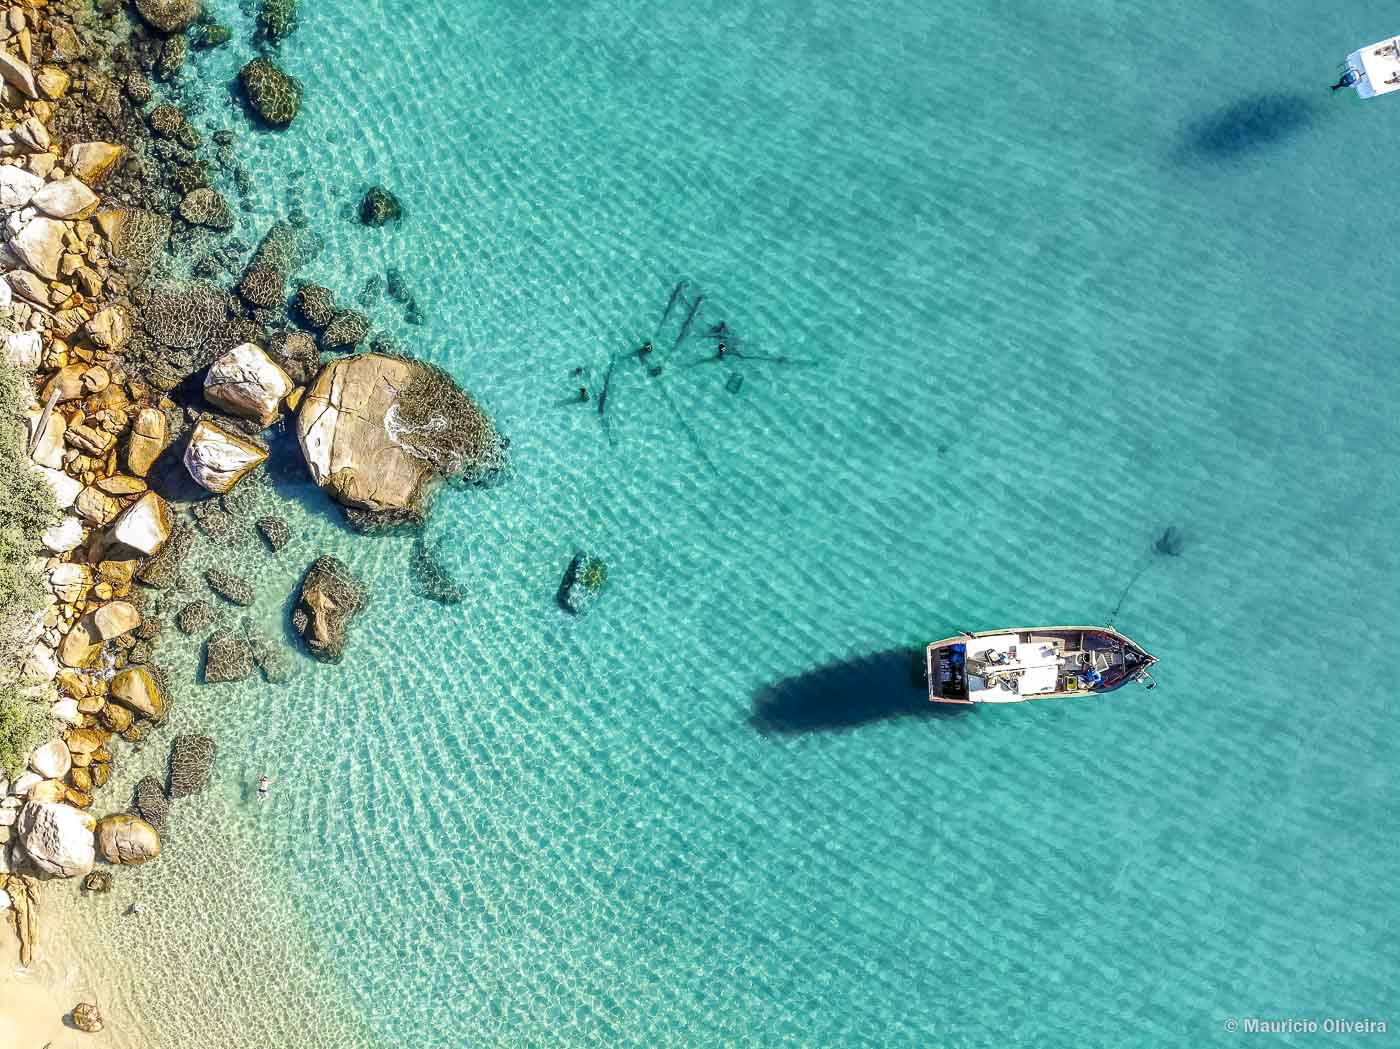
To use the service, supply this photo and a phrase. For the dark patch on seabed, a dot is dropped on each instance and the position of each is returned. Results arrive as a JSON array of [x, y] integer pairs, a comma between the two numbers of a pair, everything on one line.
[[1248, 125], [844, 695]]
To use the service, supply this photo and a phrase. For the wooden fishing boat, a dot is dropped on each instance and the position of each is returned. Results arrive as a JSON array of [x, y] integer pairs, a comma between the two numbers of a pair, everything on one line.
[[1009, 666]]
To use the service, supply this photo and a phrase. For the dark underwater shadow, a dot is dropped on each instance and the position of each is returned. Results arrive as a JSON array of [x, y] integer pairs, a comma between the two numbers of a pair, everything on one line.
[[1247, 126], [844, 695]]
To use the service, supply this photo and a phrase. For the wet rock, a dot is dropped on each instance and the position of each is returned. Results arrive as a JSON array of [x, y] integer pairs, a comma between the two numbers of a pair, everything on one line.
[[263, 287], [583, 582], [163, 570], [227, 657], [380, 206], [195, 617], [185, 315], [207, 207], [58, 838], [275, 531], [126, 839], [346, 329], [269, 657], [210, 36], [230, 587], [218, 459], [191, 765], [277, 18], [329, 598], [273, 94], [149, 802], [168, 16], [316, 305]]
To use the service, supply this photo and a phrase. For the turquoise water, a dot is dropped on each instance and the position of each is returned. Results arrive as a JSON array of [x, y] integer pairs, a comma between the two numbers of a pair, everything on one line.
[[1058, 277]]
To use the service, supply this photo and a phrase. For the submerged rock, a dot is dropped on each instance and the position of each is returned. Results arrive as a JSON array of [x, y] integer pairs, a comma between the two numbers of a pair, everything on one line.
[[227, 657], [315, 303], [431, 578], [583, 582], [230, 587], [1171, 542], [277, 18], [195, 617], [207, 207], [272, 93], [168, 16], [268, 656], [87, 1017], [191, 764], [380, 206], [149, 802], [275, 531], [346, 330], [213, 35], [329, 597]]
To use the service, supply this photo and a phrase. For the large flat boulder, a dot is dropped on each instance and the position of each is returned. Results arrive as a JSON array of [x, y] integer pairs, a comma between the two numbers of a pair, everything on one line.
[[127, 839]]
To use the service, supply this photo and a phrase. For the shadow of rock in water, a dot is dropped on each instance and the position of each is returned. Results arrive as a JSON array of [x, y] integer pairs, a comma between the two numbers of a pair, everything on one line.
[[1248, 125], [847, 694]]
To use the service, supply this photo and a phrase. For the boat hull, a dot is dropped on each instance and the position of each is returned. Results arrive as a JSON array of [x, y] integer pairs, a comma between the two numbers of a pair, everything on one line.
[[1024, 663]]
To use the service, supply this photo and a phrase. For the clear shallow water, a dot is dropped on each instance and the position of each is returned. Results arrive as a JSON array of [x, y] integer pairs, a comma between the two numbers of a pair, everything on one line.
[[1048, 317]]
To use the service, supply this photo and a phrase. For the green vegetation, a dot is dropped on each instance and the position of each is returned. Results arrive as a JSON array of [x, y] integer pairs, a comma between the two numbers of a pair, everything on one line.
[[26, 510], [594, 573], [24, 724], [440, 424]]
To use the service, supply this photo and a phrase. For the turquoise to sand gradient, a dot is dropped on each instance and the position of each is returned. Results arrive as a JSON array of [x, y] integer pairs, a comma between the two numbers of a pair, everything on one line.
[[1062, 275]]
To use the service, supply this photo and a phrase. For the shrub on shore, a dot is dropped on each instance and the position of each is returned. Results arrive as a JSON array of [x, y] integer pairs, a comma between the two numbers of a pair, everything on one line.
[[26, 509], [24, 725]]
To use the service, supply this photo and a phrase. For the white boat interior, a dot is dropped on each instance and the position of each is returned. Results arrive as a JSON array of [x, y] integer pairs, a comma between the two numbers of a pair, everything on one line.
[[1377, 68]]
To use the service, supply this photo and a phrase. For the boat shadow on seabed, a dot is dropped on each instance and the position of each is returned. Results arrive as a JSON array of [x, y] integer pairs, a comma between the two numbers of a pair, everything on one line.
[[848, 693]]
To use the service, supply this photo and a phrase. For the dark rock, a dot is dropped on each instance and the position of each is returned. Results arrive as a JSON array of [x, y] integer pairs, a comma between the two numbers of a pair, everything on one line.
[[98, 881], [191, 764], [189, 177], [430, 576], [225, 138], [270, 658], [149, 801], [1171, 542], [139, 238], [213, 35], [227, 657], [380, 206], [316, 305], [583, 582], [277, 18], [275, 531], [329, 597], [195, 617], [168, 16], [184, 315], [397, 285], [297, 355], [272, 93], [263, 287], [243, 499], [230, 587], [346, 330], [161, 571], [171, 122], [207, 207], [138, 88], [217, 524], [172, 58], [384, 342]]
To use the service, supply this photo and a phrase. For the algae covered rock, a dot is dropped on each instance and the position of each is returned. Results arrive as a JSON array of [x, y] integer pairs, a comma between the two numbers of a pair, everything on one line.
[[275, 531], [148, 801], [191, 764], [227, 657], [87, 1017], [329, 597], [346, 330], [316, 304], [207, 207], [168, 16], [262, 287], [195, 617], [277, 18], [232, 588], [272, 93], [380, 206], [584, 580], [212, 35], [378, 432]]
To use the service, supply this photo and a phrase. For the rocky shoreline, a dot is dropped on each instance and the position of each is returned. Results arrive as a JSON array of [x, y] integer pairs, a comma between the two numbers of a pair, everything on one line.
[[157, 351]]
